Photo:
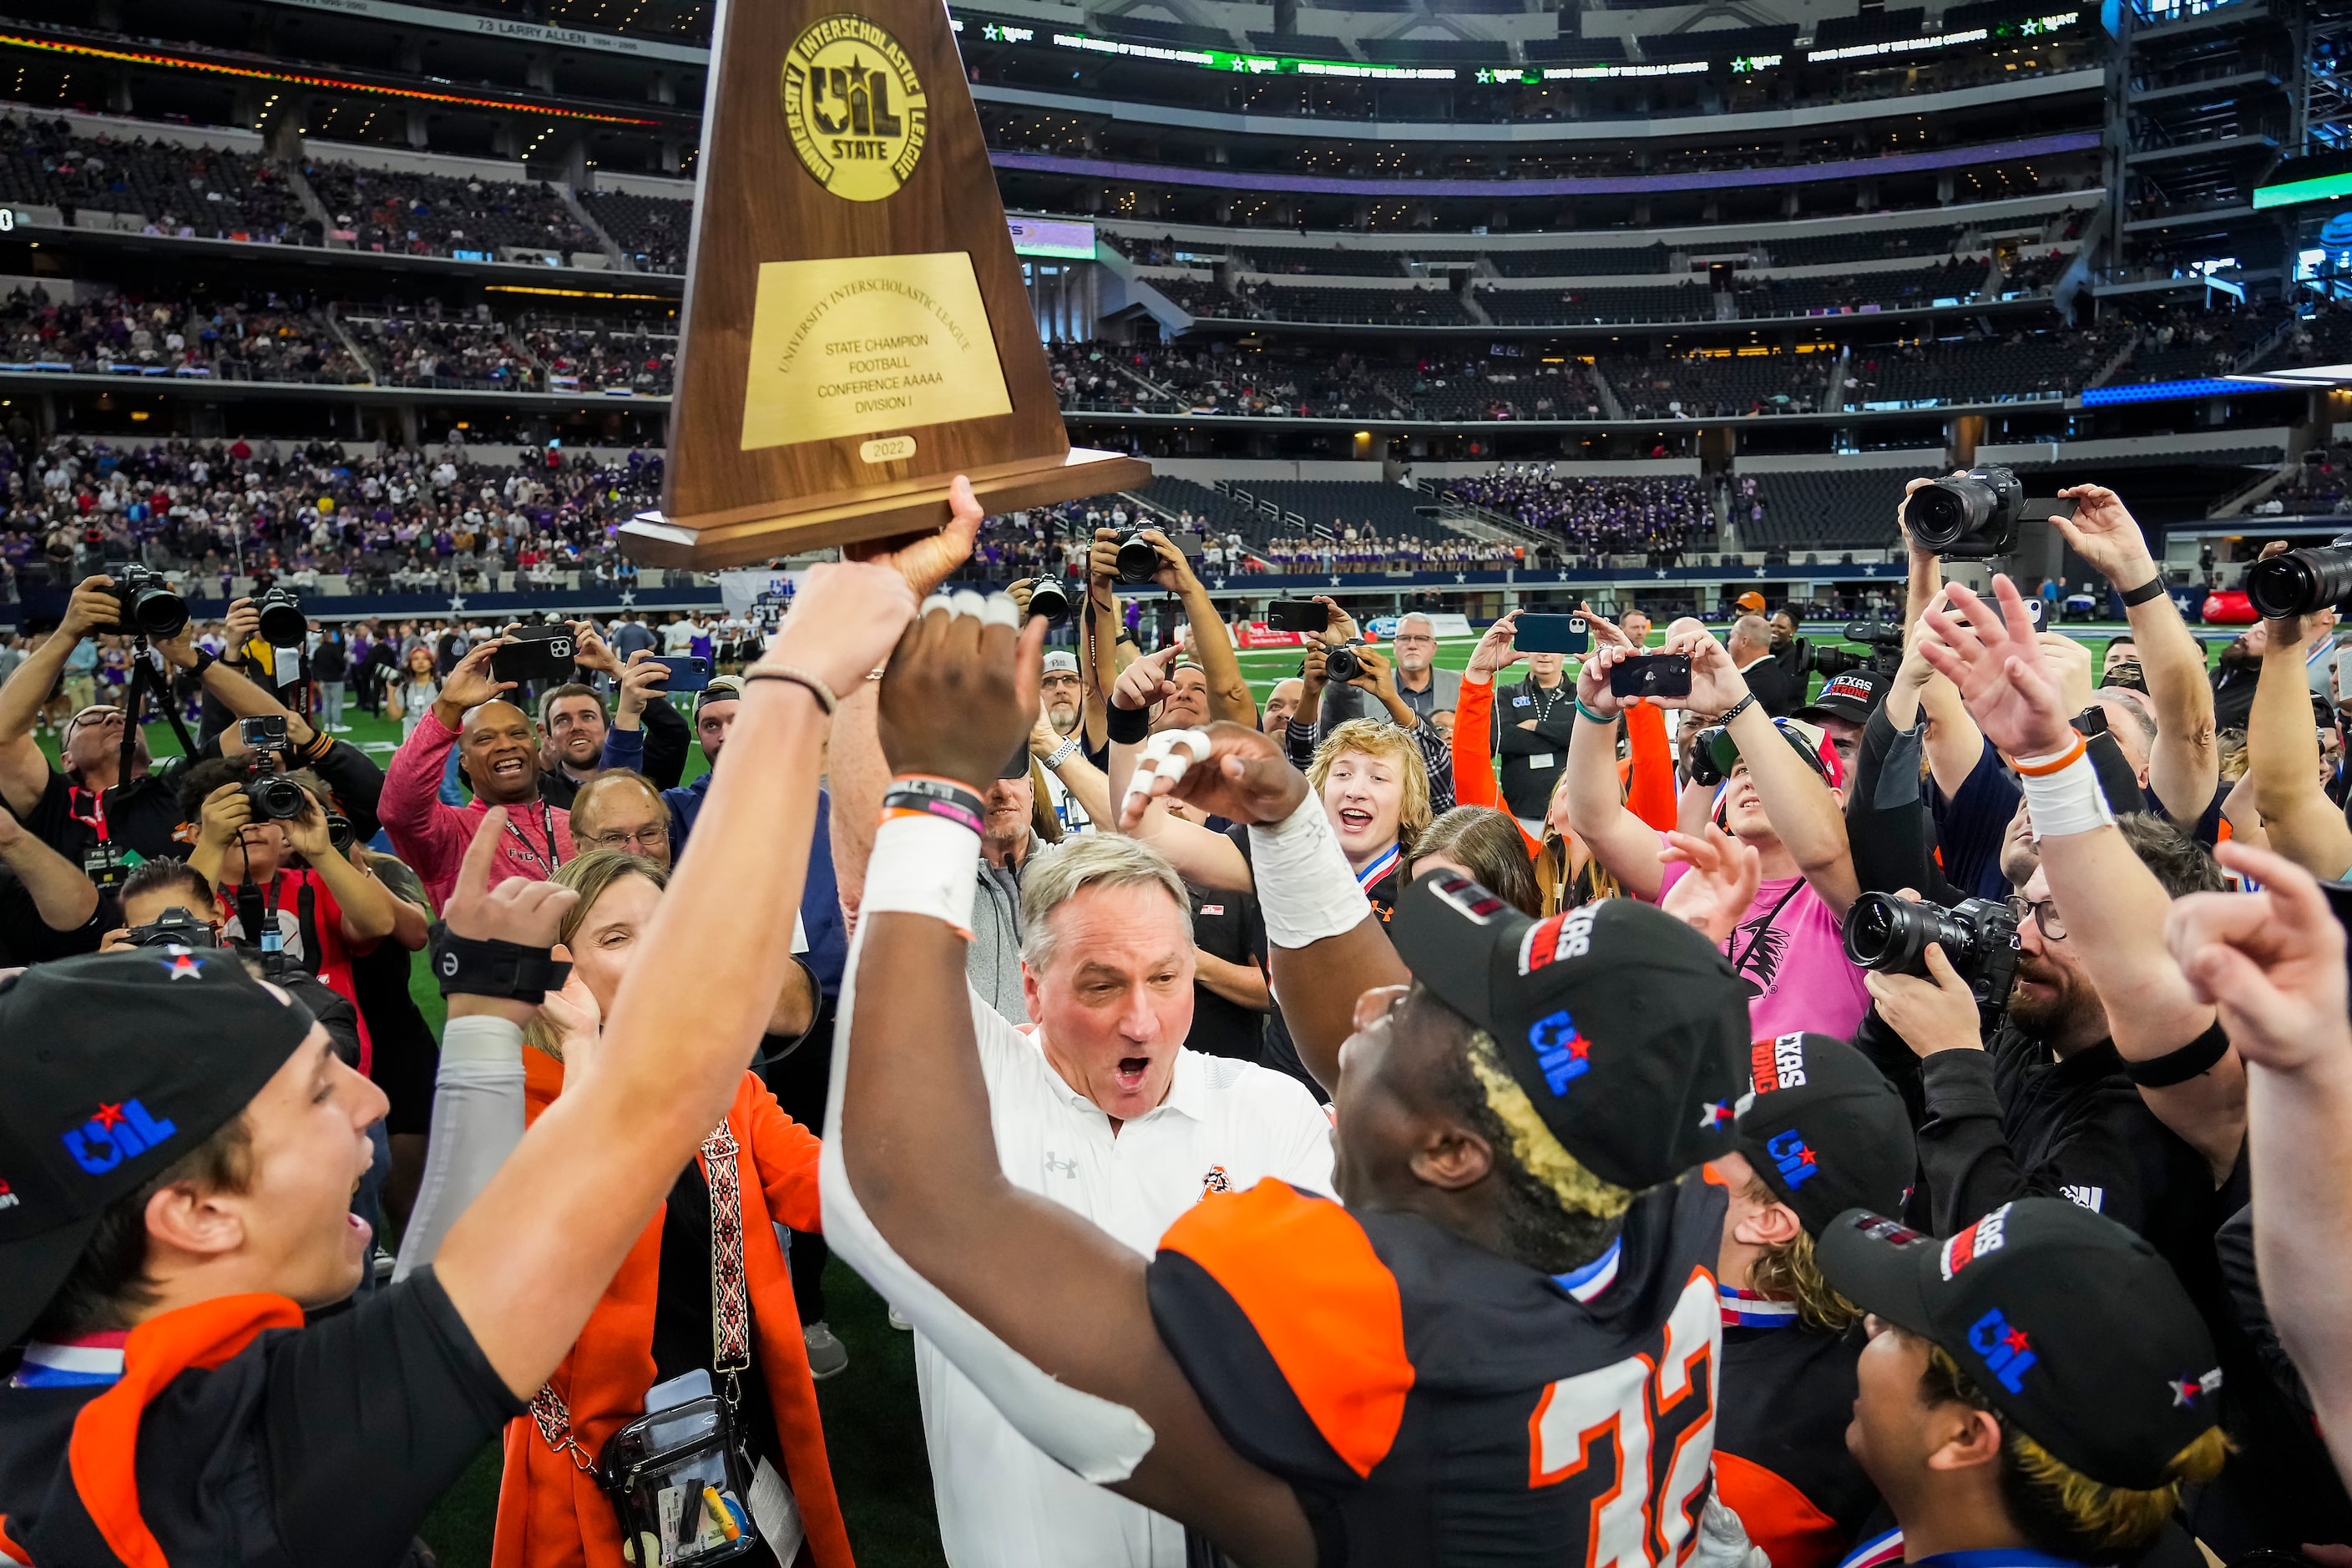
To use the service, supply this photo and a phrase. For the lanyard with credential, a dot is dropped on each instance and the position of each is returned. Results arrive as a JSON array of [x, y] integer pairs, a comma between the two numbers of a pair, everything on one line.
[[96, 820], [530, 850]]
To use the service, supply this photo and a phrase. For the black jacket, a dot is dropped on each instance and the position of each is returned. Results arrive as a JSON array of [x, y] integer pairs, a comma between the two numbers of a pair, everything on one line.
[[1777, 692], [1532, 759]]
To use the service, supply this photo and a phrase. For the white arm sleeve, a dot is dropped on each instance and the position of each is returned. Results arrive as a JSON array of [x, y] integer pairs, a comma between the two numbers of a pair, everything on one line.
[[478, 1105], [1097, 1439]]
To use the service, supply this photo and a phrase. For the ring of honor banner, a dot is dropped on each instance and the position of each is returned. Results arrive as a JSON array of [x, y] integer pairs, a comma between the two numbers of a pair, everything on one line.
[[856, 332]]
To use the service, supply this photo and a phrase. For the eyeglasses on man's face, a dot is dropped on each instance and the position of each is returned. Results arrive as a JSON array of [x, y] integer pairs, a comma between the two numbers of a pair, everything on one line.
[[2043, 913], [651, 836]]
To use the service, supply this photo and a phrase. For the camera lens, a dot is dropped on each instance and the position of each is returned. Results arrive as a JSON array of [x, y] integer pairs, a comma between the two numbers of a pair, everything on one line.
[[1834, 661], [1889, 934], [1938, 514], [1049, 599], [155, 611], [1137, 559], [1341, 664], [282, 625], [276, 797], [2300, 582]]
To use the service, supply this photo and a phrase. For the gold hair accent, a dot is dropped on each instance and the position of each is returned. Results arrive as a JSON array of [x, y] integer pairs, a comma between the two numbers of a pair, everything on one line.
[[1577, 1189]]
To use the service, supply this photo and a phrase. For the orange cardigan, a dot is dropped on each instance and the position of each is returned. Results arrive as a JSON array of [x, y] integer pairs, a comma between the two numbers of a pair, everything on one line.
[[1647, 777], [551, 1514]]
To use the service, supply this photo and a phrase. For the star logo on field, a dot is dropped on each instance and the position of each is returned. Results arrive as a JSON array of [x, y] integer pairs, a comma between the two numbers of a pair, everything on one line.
[[1759, 571], [1335, 581]]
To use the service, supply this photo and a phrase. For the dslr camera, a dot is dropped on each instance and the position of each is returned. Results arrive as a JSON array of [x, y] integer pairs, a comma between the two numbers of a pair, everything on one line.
[[283, 623], [1139, 558], [2302, 582], [1341, 665], [1885, 657], [1048, 598], [175, 927], [145, 604], [1967, 517], [273, 797], [1978, 936]]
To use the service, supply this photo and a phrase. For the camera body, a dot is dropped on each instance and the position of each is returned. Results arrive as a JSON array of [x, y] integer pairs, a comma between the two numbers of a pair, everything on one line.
[[274, 796], [146, 606], [1978, 936], [1341, 664], [175, 927], [1885, 657], [1049, 599], [283, 623], [1967, 517], [2302, 582]]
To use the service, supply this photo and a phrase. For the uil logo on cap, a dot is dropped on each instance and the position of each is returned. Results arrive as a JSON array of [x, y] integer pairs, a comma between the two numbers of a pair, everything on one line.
[[1778, 1064], [2007, 1353], [1797, 1162], [1980, 1238], [115, 1133], [1564, 1055]]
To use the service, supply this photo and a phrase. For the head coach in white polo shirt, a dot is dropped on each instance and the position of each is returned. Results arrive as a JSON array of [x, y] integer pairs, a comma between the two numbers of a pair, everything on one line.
[[1102, 1110]]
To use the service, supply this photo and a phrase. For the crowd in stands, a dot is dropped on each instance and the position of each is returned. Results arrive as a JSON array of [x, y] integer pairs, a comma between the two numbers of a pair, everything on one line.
[[1703, 387], [189, 192], [1345, 547], [418, 214], [268, 339], [1597, 515], [214, 512]]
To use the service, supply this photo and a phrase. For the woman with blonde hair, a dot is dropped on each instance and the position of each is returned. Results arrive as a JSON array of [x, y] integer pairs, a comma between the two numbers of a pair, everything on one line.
[[663, 1317]]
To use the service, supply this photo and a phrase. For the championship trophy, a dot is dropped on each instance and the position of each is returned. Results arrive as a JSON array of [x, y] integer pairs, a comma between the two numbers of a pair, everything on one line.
[[855, 332]]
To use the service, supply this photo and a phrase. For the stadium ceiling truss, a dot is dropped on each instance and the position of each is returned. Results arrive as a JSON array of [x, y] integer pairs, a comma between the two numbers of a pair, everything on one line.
[[2327, 83]]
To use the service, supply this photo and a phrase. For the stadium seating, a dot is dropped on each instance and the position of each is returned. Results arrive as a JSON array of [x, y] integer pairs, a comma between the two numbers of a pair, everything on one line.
[[1826, 509], [652, 231]]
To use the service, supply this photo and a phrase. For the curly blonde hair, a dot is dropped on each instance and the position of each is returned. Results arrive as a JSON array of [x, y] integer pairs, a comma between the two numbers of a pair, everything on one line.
[[1787, 1270]]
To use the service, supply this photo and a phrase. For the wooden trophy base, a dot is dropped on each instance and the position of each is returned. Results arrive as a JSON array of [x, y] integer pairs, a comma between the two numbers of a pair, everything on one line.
[[752, 534]]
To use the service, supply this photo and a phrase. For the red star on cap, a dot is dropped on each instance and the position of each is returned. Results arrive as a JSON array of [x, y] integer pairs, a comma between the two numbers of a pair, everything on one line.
[[108, 1115], [2014, 1339], [1805, 1155], [1579, 1047], [183, 964]]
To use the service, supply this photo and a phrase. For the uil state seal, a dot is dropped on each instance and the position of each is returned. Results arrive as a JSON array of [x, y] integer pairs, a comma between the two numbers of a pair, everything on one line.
[[854, 107]]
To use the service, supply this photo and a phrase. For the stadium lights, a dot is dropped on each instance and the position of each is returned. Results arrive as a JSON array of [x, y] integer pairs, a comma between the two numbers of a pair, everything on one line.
[[2301, 377], [144, 57]]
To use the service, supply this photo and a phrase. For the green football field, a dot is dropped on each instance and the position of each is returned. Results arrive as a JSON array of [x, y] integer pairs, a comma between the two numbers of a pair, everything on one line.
[[873, 1421]]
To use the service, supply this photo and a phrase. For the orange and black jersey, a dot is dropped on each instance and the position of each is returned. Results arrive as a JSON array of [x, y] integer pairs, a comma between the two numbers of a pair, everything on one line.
[[1781, 1459], [1432, 1402]]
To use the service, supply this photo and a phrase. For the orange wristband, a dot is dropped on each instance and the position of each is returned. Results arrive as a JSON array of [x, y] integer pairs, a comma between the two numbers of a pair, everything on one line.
[[2063, 761]]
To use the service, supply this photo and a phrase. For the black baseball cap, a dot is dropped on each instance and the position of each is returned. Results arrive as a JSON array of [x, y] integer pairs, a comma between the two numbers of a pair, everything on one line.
[[1625, 1026], [1824, 1130], [2071, 1324], [118, 1065], [1854, 696]]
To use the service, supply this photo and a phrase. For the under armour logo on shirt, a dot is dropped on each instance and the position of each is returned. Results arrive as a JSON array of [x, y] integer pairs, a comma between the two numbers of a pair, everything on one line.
[[1068, 1168]]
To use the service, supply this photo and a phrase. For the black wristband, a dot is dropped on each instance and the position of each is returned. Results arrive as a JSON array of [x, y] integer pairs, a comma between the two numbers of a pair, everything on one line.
[[1128, 726], [2198, 1056], [2151, 589], [469, 967], [204, 658]]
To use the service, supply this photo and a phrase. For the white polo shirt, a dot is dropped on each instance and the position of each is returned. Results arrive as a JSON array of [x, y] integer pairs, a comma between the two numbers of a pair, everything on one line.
[[1224, 1124]]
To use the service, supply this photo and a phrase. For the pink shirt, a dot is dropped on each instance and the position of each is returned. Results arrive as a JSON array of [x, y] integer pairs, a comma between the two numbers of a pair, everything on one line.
[[431, 835], [1788, 947]]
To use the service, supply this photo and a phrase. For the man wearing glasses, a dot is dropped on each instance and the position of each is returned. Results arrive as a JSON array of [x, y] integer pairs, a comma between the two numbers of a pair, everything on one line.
[[2044, 1103]]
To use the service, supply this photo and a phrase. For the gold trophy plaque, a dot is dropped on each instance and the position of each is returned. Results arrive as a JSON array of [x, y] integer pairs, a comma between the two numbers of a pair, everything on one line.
[[854, 330]]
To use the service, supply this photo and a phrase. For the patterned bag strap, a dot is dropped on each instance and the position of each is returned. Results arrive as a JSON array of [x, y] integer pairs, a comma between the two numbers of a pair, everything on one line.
[[730, 1305], [554, 1419]]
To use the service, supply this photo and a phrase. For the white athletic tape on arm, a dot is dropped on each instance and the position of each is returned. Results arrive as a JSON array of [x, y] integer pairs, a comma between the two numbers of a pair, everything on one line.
[[1097, 1439], [922, 865], [1304, 887], [2068, 801]]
